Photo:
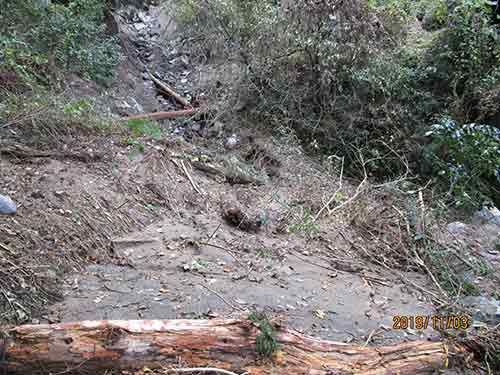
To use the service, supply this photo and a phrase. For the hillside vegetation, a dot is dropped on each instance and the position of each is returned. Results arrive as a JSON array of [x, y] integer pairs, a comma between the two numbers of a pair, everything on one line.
[[409, 84], [370, 77]]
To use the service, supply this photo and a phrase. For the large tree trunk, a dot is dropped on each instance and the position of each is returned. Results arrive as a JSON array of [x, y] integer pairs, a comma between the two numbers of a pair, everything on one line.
[[91, 346]]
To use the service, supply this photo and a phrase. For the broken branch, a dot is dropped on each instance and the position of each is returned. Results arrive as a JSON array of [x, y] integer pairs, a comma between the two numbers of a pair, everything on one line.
[[166, 115], [166, 88]]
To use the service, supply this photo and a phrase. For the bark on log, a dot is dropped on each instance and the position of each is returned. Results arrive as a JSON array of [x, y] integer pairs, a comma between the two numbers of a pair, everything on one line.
[[91, 346]]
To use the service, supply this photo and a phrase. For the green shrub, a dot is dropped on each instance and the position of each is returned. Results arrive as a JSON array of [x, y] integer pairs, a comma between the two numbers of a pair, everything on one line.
[[463, 61], [67, 37], [467, 159], [144, 128], [346, 79], [434, 14], [18, 57]]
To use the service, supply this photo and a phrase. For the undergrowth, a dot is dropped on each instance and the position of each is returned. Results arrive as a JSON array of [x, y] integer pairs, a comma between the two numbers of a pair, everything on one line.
[[351, 78], [61, 39]]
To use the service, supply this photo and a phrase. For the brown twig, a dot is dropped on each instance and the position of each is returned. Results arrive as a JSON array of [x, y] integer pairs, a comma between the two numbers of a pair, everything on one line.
[[180, 164], [230, 252], [166, 115], [333, 197], [222, 298], [202, 369], [193, 184]]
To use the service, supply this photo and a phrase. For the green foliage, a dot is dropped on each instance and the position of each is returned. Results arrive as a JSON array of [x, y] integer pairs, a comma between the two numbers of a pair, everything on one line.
[[18, 57], [306, 224], [144, 128], [266, 343], [463, 62], [347, 80], [396, 8], [467, 159], [70, 37], [49, 121], [78, 107], [434, 14]]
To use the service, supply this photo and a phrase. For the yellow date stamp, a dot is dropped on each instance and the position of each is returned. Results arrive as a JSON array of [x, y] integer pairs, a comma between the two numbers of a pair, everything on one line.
[[437, 322]]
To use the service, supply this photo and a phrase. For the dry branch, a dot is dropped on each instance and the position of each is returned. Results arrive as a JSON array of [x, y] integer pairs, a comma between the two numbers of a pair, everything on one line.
[[186, 172], [224, 344], [168, 90], [166, 115], [23, 152]]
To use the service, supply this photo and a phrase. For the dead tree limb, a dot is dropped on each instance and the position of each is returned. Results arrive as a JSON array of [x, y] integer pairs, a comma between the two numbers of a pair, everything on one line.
[[224, 344], [166, 115], [168, 90]]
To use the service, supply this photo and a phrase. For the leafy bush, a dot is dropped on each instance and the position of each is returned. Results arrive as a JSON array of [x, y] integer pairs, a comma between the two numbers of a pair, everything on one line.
[[467, 159], [298, 59], [350, 78], [144, 128], [19, 58], [463, 62], [434, 14], [70, 37]]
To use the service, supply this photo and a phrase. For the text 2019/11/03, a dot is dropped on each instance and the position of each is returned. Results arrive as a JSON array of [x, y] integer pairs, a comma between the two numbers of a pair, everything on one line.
[[437, 322]]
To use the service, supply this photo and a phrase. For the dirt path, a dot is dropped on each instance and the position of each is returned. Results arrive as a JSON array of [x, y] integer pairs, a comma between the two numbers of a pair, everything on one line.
[[170, 277]]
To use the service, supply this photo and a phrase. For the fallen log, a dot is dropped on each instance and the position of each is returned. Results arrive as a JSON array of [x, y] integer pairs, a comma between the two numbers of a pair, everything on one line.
[[231, 345], [169, 91], [165, 115]]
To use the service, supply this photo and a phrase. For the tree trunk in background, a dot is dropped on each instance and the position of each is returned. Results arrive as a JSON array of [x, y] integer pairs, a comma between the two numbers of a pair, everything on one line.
[[225, 344]]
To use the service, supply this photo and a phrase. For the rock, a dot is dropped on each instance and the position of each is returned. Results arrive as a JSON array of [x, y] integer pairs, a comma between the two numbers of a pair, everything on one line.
[[236, 217], [195, 127], [488, 215], [7, 205], [185, 60], [37, 194], [215, 129], [456, 227], [497, 244], [232, 142], [140, 26], [482, 308]]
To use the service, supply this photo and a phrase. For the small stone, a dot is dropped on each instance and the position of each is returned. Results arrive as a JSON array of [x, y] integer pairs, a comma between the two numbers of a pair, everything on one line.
[[184, 59], [489, 215], [482, 308], [37, 194], [7, 205], [140, 26], [231, 142], [456, 227], [195, 127]]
